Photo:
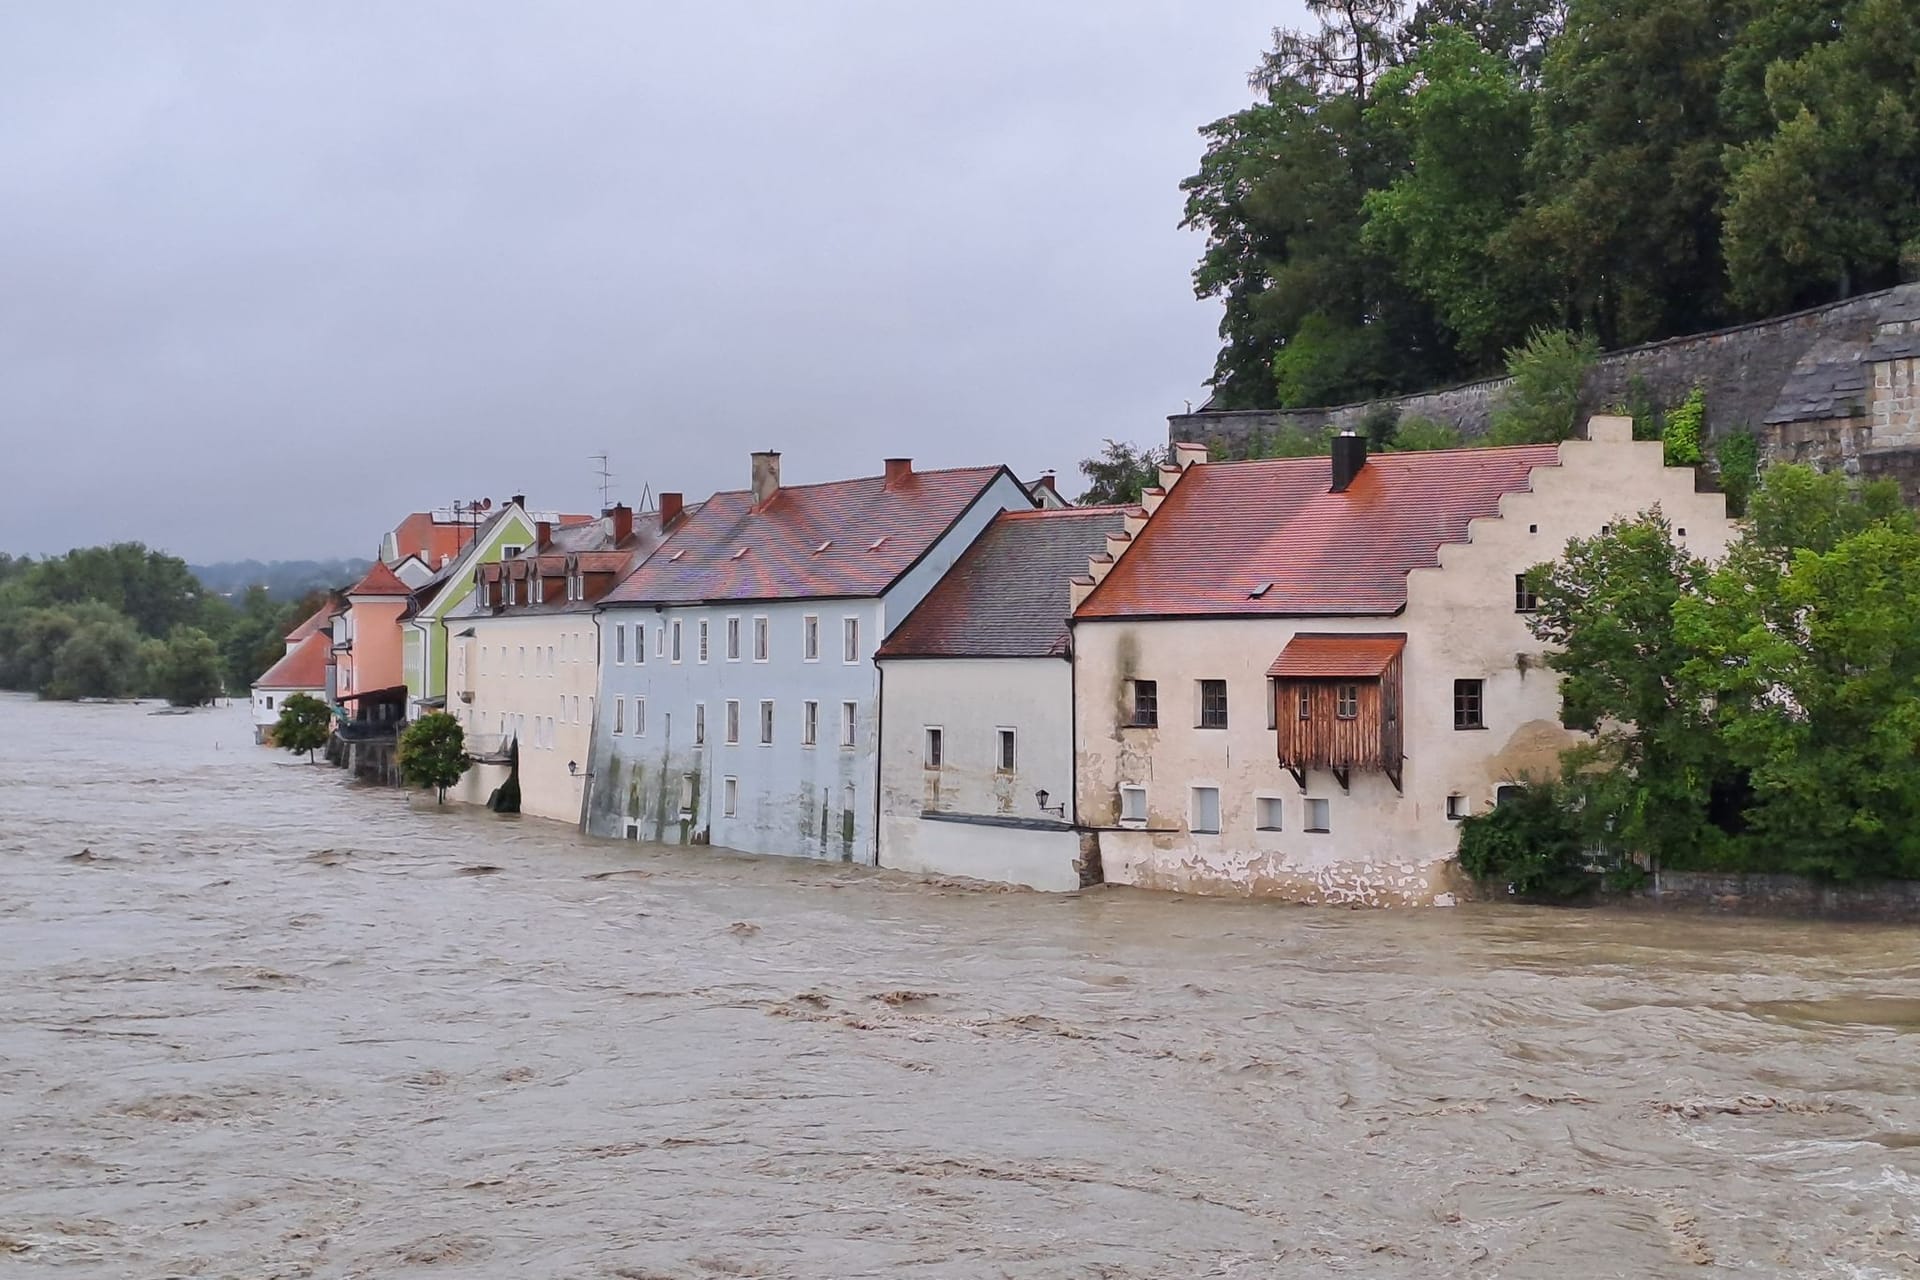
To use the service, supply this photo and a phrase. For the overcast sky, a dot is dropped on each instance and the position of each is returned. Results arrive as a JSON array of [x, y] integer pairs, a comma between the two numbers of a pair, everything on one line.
[[273, 275]]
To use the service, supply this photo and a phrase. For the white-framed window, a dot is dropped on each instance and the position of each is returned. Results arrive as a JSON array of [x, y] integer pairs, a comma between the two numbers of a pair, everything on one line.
[[619, 715], [550, 662], [523, 660], [849, 722], [508, 550], [936, 749], [766, 722], [676, 640], [563, 708], [1204, 817], [460, 667], [1004, 760], [539, 585], [703, 639], [640, 643], [483, 660], [729, 797], [1318, 817], [733, 639], [1268, 810], [1133, 803], [809, 723], [849, 639], [733, 720], [810, 638], [639, 717], [576, 708], [659, 642], [762, 640], [699, 724], [620, 644], [686, 795], [1457, 808]]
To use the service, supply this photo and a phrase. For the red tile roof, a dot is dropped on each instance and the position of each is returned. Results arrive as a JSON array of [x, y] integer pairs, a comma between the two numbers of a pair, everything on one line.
[[380, 581], [304, 667], [845, 538], [313, 621], [1007, 596], [1268, 538], [1321, 657]]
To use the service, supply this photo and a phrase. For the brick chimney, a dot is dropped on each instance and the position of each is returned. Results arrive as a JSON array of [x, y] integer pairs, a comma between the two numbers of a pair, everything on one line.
[[669, 511], [542, 534], [899, 471], [621, 518], [1046, 482], [766, 476], [1349, 457], [520, 500]]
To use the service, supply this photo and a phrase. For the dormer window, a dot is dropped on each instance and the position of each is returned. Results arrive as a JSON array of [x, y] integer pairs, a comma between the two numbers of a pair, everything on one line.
[[1345, 691], [539, 594], [877, 543], [823, 546]]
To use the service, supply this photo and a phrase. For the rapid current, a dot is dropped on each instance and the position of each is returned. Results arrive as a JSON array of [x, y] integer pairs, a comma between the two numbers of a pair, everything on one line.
[[256, 1021]]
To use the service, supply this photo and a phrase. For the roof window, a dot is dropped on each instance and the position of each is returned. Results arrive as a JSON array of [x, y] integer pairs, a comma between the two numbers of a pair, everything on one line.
[[878, 542]]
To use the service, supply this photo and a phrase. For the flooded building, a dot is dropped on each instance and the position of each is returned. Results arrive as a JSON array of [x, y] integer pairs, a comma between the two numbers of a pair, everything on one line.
[[1293, 677], [738, 692], [303, 669], [976, 708]]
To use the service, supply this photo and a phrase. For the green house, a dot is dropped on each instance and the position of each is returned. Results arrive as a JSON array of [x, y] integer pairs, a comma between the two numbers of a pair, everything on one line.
[[423, 630]]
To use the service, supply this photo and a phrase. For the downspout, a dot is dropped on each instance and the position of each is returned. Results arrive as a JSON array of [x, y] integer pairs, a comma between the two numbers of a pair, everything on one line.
[[593, 730], [879, 745]]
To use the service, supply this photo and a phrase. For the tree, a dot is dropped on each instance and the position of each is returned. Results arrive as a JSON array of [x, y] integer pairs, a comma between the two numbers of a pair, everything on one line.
[[1120, 473], [1684, 429], [1542, 403], [433, 753], [186, 669], [305, 724], [96, 657]]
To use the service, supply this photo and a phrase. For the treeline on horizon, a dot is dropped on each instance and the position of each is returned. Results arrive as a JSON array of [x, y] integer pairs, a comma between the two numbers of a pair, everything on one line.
[[127, 621], [284, 580], [1423, 186]]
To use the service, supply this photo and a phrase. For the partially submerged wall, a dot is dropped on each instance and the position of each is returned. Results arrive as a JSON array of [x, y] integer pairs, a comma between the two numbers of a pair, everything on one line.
[[1779, 895]]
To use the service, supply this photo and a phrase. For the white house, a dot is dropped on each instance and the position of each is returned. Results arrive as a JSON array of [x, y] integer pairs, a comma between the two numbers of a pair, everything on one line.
[[976, 709], [302, 669], [738, 693], [1293, 677]]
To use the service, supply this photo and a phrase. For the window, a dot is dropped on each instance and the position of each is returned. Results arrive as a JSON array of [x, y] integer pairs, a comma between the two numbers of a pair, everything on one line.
[[511, 549], [1146, 703], [1133, 804], [733, 639], [766, 723], [1306, 704], [1524, 601], [1506, 792], [760, 639], [640, 642], [809, 723], [1004, 763], [676, 639], [810, 638], [699, 724], [1456, 808], [849, 721], [733, 719], [703, 639], [1468, 696], [686, 795], [935, 753], [639, 717], [659, 642], [1317, 817], [550, 663], [1213, 704], [539, 590], [1205, 818], [1268, 817], [619, 715], [576, 708], [523, 660], [1346, 701], [850, 639], [729, 796], [269, 702], [483, 659]]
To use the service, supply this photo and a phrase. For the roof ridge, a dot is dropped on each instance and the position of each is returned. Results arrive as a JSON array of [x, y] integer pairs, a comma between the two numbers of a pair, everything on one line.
[[824, 484], [1057, 512]]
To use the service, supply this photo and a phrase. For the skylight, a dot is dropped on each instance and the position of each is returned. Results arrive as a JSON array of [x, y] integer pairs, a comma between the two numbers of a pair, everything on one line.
[[823, 546], [1259, 591], [736, 555], [877, 543]]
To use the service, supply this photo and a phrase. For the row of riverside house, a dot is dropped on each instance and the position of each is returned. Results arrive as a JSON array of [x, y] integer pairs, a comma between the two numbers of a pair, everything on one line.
[[1289, 677]]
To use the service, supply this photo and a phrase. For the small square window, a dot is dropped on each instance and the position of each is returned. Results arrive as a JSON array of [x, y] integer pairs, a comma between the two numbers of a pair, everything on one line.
[[1269, 815], [1468, 704], [1304, 704], [1456, 808], [766, 723], [935, 754], [1506, 792], [1005, 762], [1213, 704], [729, 797], [1133, 804], [1524, 599], [1146, 704], [1317, 817], [1346, 701], [1205, 818]]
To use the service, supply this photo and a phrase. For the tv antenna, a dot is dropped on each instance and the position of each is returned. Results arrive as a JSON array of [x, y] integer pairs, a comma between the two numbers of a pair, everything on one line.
[[606, 480]]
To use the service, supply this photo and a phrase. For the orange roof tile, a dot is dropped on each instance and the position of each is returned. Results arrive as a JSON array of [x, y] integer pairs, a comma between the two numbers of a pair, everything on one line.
[[1321, 657], [380, 581], [313, 621], [304, 667]]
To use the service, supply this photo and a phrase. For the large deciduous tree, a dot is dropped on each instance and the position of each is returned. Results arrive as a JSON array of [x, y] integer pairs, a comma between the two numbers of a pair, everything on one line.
[[433, 753]]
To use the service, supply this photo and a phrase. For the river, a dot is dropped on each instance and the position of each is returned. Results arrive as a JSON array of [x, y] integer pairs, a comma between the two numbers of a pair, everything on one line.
[[258, 1022]]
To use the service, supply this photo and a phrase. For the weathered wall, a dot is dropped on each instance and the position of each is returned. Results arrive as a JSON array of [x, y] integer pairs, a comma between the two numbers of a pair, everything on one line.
[[523, 669], [1790, 368], [1894, 900], [1382, 847]]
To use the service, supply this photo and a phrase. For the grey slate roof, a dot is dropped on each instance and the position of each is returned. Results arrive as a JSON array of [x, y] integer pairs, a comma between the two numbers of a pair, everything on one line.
[[1007, 595]]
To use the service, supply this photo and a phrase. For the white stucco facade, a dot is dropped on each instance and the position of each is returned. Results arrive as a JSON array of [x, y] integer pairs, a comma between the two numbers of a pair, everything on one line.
[[1379, 845], [534, 679]]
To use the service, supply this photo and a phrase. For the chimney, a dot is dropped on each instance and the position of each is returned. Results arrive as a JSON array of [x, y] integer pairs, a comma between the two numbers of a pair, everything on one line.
[[669, 511], [766, 476], [1349, 456], [542, 534], [899, 471], [622, 518], [1046, 482], [519, 499]]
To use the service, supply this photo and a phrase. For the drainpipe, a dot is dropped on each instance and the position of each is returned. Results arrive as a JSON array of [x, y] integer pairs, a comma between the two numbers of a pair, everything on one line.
[[879, 745], [599, 712]]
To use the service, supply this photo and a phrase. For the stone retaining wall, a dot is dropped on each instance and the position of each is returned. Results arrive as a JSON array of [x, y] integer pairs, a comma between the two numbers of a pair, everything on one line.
[[1778, 895]]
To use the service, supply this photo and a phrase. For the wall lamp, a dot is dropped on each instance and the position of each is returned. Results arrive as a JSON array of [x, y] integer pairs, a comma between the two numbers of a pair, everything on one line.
[[1040, 798]]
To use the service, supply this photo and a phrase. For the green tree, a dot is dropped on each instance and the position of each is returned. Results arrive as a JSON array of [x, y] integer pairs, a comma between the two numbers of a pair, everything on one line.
[[1685, 428], [1542, 403], [1737, 459], [305, 724], [186, 669], [1118, 475], [433, 753], [154, 590], [97, 656]]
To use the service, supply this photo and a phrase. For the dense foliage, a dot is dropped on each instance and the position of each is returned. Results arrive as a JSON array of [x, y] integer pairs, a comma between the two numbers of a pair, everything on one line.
[[1422, 184], [433, 753], [305, 724], [126, 621], [1762, 714], [1531, 844]]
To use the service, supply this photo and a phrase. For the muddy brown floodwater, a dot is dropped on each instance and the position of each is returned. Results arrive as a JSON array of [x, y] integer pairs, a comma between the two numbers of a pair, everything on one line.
[[256, 1022]]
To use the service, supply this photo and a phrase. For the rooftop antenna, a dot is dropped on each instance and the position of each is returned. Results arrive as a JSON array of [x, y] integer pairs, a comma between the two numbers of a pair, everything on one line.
[[606, 480]]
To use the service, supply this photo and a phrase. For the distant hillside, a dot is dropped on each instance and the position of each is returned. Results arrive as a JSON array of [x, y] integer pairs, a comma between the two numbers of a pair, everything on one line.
[[283, 579]]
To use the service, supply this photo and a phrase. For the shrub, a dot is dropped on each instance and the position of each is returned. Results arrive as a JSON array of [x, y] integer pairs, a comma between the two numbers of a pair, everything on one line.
[[1380, 425], [433, 753], [1685, 427], [1542, 406], [1417, 434], [1738, 458], [1530, 844]]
